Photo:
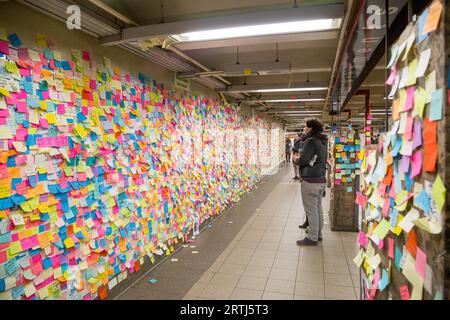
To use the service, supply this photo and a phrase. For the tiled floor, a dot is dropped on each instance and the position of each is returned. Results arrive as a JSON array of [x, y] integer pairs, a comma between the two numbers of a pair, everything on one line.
[[251, 253]]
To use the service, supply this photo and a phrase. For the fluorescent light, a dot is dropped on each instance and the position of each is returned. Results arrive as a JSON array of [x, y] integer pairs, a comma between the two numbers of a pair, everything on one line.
[[290, 89], [293, 100], [259, 30]]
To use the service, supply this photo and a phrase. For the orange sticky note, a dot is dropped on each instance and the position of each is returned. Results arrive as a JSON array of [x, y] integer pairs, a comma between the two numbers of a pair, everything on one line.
[[396, 109], [434, 17], [430, 146], [411, 243]]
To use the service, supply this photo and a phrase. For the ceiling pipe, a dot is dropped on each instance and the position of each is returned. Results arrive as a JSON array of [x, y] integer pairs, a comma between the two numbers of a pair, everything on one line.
[[120, 16], [341, 48], [112, 11]]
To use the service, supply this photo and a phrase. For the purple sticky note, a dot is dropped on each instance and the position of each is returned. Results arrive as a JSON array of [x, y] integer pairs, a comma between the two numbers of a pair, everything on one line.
[[417, 136], [404, 164]]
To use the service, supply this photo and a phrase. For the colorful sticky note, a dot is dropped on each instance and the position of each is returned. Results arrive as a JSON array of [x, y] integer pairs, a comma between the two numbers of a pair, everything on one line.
[[434, 16], [436, 106]]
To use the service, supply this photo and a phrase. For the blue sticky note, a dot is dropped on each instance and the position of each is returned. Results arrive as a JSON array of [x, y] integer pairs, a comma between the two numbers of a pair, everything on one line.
[[436, 105], [11, 266], [398, 257], [384, 281], [421, 22], [152, 281], [5, 238], [14, 39], [48, 54], [17, 292], [2, 285], [422, 201], [349, 189]]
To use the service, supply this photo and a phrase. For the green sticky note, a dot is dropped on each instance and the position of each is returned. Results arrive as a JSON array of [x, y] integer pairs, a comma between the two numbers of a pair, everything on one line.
[[382, 229], [438, 193]]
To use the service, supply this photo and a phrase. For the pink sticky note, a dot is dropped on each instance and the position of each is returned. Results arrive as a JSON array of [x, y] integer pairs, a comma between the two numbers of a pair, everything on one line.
[[4, 113], [362, 239], [4, 47], [385, 210], [391, 79], [381, 245], [421, 262], [82, 176], [11, 100], [391, 248], [21, 159], [86, 56], [409, 128], [43, 123], [61, 109], [409, 99], [404, 292], [416, 160], [3, 120], [21, 134], [25, 72], [21, 188], [21, 106], [45, 95]]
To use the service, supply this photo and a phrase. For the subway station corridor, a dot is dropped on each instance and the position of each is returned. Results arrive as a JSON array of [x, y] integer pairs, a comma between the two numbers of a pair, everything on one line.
[[250, 252]]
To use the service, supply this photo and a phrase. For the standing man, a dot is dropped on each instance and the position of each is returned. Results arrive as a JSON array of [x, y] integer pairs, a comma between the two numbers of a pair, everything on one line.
[[288, 150], [312, 163], [296, 149]]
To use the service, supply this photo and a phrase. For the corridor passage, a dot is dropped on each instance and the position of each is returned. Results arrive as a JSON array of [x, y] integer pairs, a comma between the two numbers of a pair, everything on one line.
[[250, 253]]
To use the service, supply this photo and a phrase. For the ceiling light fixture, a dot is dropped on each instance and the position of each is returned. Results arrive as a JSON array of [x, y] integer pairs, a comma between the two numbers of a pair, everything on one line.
[[293, 100], [290, 89], [260, 30]]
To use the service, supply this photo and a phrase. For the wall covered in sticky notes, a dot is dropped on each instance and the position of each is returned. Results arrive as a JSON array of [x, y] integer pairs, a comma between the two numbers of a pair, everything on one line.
[[101, 168], [403, 185]]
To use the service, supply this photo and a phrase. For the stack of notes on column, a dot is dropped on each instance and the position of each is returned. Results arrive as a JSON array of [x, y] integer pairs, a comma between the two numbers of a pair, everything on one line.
[[347, 163], [402, 193]]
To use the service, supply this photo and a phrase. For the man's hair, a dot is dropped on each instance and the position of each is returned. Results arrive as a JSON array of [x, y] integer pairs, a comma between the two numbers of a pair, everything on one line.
[[315, 125]]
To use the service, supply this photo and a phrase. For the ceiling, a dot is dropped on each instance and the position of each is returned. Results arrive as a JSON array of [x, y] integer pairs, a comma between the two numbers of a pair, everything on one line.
[[311, 55]]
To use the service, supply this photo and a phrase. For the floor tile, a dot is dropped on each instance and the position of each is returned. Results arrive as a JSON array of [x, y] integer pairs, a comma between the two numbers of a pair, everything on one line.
[[254, 283], [224, 280], [310, 277], [339, 292], [232, 268], [216, 293], [309, 289], [283, 286], [269, 295], [246, 294], [336, 279], [283, 274]]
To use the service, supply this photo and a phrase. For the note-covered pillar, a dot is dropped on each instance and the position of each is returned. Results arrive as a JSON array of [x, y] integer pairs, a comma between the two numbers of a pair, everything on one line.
[[345, 171]]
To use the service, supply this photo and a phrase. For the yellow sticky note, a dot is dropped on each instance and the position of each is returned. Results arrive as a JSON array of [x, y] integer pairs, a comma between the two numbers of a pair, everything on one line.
[[51, 118], [41, 40], [5, 188], [20, 146], [4, 92], [68, 242], [11, 67]]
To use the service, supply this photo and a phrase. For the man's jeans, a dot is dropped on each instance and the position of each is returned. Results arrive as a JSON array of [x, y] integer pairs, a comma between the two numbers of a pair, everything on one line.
[[312, 194]]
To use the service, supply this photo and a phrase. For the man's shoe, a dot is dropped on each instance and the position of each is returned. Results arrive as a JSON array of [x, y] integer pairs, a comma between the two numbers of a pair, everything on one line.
[[304, 226], [295, 178], [320, 238], [307, 242]]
